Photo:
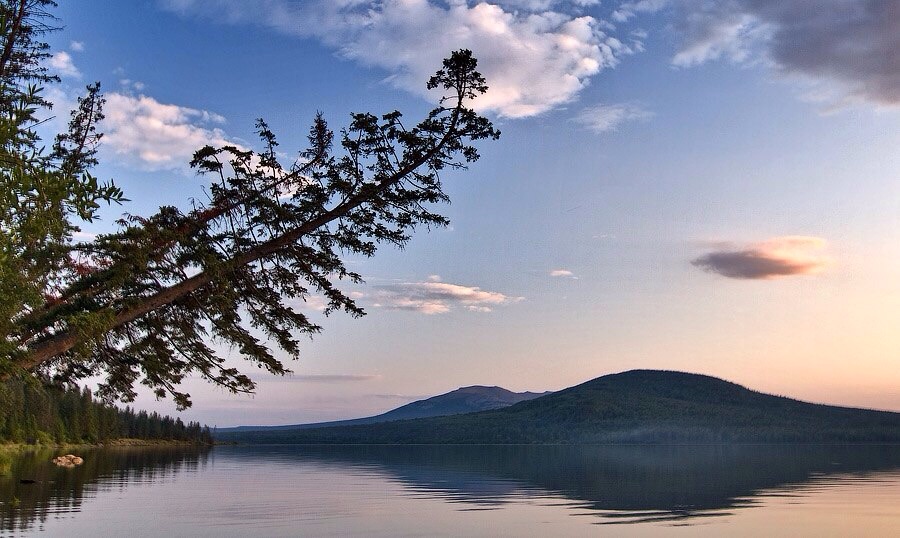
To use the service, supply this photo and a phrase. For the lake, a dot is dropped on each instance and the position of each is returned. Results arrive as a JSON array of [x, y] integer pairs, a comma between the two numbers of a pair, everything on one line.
[[739, 490]]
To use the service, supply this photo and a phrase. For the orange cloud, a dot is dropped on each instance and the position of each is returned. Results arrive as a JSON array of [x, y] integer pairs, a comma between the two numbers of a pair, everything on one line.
[[773, 258]]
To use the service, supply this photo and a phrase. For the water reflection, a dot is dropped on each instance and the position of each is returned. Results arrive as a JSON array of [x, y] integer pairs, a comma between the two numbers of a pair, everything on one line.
[[272, 489], [622, 484], [32, 488]]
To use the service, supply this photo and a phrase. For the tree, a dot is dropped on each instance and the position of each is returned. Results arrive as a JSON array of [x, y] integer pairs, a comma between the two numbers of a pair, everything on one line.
[[34, 413], [143, 304], [42, 195]]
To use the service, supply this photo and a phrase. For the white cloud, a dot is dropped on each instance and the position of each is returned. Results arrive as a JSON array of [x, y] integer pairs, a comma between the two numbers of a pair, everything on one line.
[[312, 302], [560, 273], [61, 63], [433, 297], [140, 131], [64, 100], [627, 10], [76, 46], [602, 118], [713, 35], [80, 236], [535, 54], [543, 5], [156, 136], [129, 85]]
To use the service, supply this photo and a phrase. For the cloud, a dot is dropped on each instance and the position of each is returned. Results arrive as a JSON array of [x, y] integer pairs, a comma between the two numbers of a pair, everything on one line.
[[535, 54], [602, 118], [434, 297], [140, 131], [311, 302], [128, 85], [714, 36], [334, 378], [852, 47], [627, 10], [543, 5], [402, 397], [773, 258], [560, 273], [61, 63], [157, 136], [318, 378], [80, 236], [76, 46]]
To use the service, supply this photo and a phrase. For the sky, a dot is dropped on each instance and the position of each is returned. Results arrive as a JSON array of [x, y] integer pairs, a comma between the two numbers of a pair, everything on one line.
[[711, 187]]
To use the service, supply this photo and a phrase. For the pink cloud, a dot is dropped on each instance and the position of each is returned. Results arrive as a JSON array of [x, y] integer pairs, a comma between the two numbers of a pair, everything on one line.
[[773, 258]]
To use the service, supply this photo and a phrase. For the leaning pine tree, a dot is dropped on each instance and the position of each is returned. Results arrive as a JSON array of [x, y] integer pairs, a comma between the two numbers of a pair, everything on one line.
[[143, 304]]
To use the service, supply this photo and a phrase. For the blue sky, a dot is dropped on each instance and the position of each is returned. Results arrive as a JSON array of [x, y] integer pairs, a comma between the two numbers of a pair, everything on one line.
[[679, 184]]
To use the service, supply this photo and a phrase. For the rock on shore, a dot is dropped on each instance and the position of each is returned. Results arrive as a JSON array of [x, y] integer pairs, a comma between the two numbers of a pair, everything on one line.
[[69, 460]]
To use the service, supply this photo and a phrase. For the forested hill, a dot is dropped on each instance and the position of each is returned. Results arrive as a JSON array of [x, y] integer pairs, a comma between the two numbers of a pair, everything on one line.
[[35, 414], [461, 400], [639, 406]]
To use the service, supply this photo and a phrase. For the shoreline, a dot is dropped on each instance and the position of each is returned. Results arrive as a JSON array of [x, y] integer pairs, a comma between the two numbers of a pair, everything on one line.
[[113, 443]]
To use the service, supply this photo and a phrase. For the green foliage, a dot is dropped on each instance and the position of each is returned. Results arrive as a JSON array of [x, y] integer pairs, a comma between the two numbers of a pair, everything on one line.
[[33, 413], [144, 304], [43, 196]]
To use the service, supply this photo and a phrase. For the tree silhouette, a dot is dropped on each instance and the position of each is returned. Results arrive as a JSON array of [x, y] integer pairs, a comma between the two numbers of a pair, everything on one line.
[[143, 303]]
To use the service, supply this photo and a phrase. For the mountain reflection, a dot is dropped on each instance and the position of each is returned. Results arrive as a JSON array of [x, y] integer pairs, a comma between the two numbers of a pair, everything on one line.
[[623, 484], [33, 489], [615, 484]]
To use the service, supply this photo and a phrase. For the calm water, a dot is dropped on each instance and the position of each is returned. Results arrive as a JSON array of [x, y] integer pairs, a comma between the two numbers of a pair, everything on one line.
[[460, 491]]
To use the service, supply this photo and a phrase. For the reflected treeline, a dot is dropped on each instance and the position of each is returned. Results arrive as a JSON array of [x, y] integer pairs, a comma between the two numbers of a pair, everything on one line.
[[656, 482], [32, 489], [622, 484]]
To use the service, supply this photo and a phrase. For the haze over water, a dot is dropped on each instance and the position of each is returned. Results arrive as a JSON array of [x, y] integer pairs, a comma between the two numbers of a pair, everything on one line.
[[702, 490]]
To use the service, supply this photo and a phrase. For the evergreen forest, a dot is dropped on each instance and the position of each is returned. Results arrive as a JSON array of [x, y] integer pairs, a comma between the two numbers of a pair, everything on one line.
[[35, 413]]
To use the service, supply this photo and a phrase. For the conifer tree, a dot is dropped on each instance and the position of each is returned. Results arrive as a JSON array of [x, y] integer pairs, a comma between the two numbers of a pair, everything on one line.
[[141, 304]]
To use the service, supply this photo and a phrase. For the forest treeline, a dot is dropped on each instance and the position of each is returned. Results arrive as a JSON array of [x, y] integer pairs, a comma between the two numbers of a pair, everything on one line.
[[33, 413], [635, 407]]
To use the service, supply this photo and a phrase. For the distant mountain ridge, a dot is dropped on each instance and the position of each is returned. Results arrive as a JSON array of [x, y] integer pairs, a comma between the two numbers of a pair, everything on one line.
[[638, 406], [462, 400]]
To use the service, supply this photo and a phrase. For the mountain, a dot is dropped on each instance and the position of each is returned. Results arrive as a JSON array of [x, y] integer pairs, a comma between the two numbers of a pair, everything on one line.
[[638, 406], [462, 400]]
